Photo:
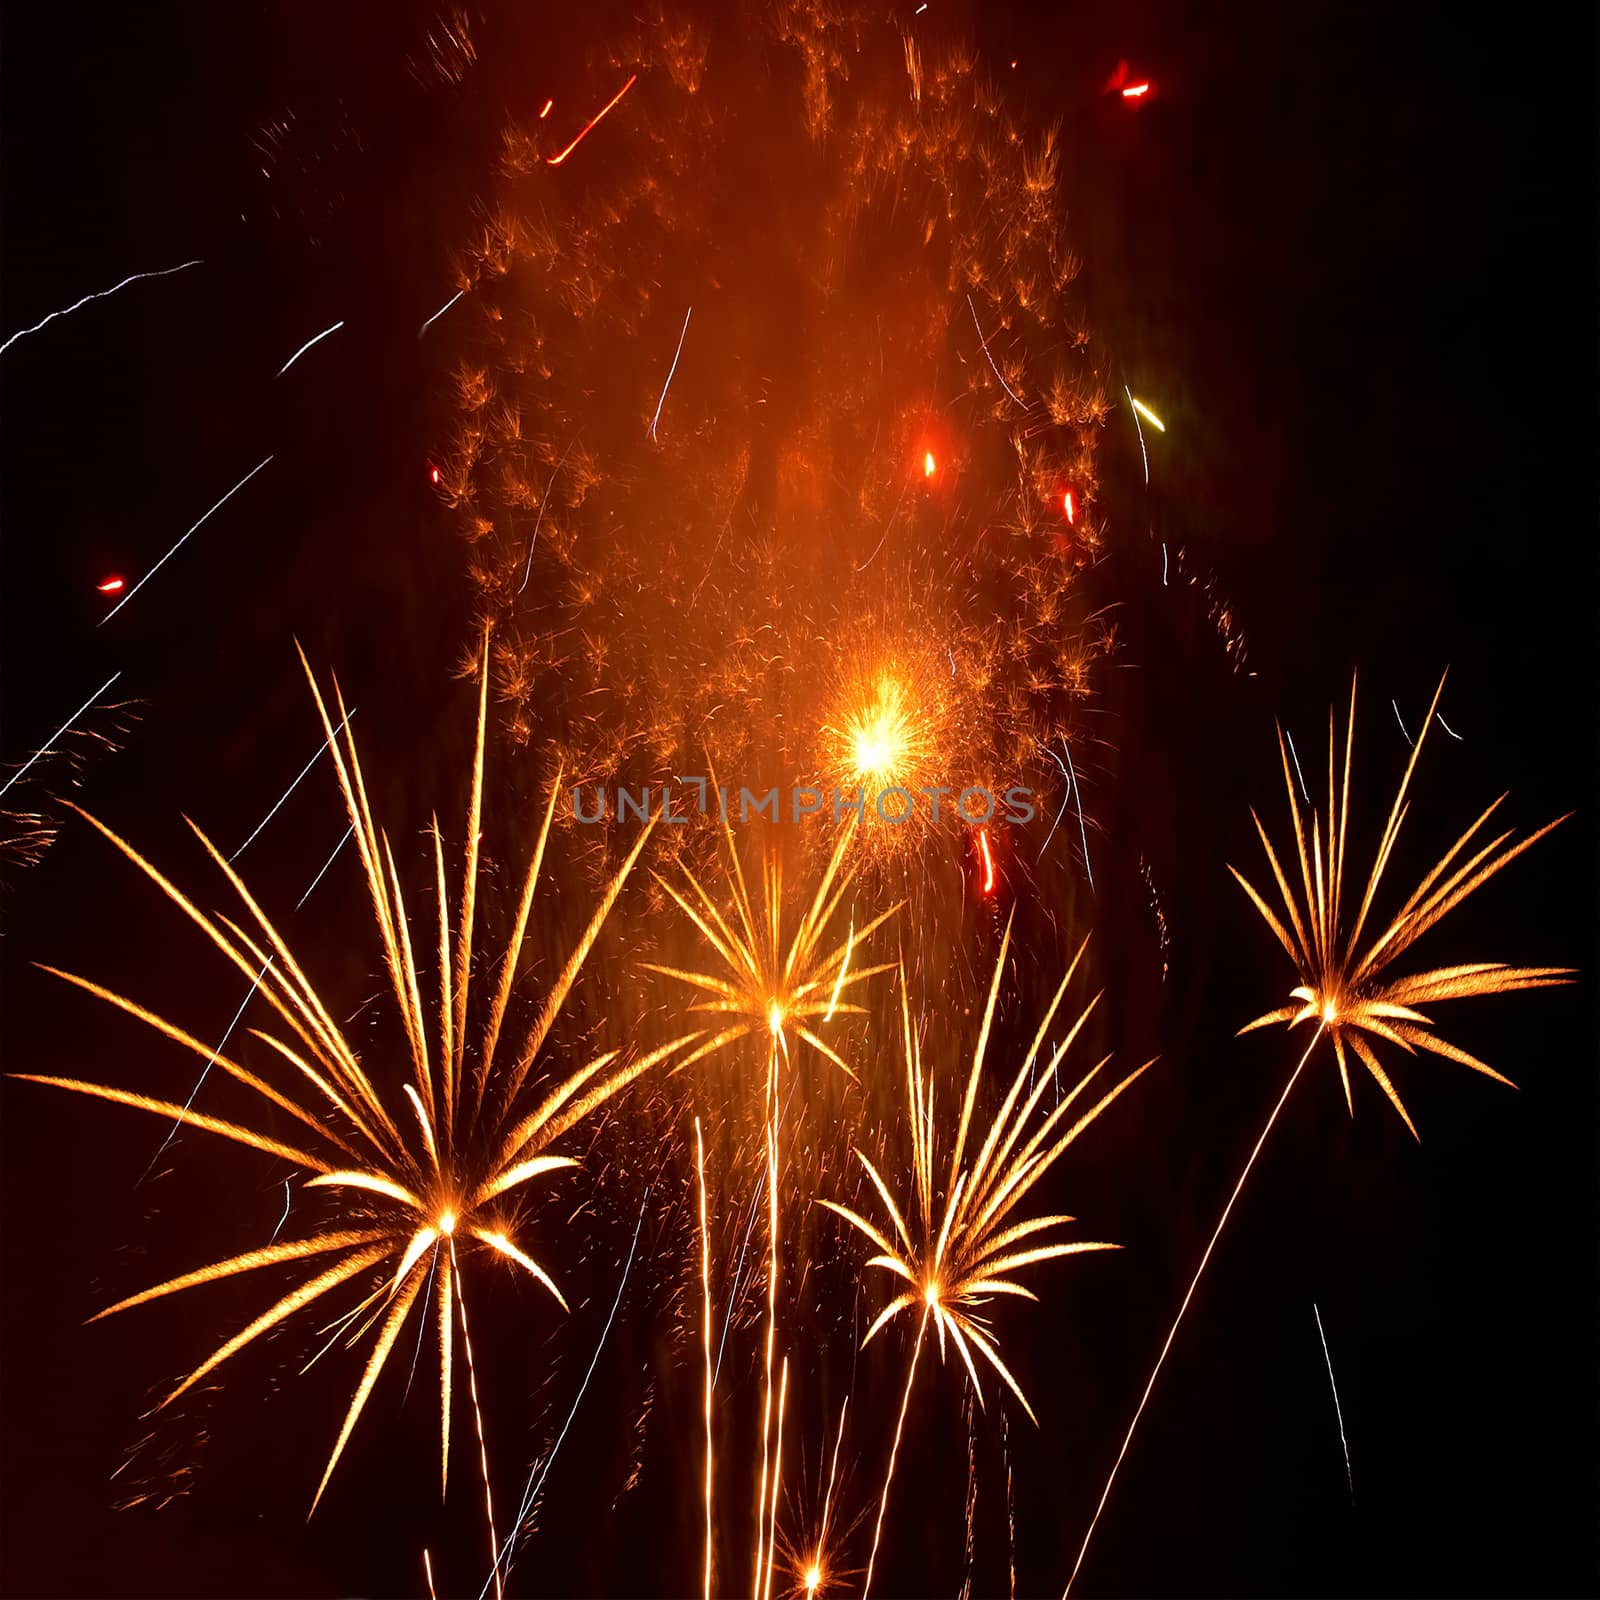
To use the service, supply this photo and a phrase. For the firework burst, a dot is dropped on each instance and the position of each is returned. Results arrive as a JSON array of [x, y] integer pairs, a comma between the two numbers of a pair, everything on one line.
[[1345, 985], [418, 1168], [954, 1245]]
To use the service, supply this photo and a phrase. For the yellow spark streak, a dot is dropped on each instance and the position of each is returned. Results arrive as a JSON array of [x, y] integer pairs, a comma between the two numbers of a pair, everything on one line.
[[427, 1568], [844, 967], [777, 1464], [762, 1556], [894, 1451], [477, 1417], [1148, 415], [705, 1297]]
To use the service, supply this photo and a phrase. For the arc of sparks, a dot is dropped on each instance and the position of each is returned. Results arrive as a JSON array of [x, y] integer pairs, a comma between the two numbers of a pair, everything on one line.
[[44, 749]]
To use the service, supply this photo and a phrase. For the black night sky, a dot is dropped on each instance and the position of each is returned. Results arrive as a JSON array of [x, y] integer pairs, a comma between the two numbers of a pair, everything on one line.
[[1352, 248]]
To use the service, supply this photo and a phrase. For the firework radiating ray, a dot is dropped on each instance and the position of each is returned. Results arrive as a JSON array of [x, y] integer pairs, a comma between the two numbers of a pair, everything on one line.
[[955, 1245], [422, 1184], [1344, 983], [315, 339]]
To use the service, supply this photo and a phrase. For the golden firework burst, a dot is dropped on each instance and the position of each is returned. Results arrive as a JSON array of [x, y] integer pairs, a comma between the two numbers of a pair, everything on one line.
[[763, 983], [1345, 982], [958, 1249], [414, 1184]]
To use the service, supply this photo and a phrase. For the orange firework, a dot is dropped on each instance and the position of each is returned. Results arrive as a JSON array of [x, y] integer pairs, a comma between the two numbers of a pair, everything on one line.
[[955, 1247], [1344, 987], [417, 1168]]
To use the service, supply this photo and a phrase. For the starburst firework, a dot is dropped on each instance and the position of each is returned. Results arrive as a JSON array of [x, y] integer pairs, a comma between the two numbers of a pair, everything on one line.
[[410, 1183], [956, 1250], [1345, 983]]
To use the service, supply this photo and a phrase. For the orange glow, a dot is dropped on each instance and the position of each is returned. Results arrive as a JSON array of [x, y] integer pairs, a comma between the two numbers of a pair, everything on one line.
[[111, 585], [544, 110], [988, 862], [1068, 507], [929, 465], [583, 133], [1136, 91]]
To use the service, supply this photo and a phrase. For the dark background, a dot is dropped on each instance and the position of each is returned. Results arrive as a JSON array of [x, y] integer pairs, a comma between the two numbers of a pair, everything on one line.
[[1348, 255]]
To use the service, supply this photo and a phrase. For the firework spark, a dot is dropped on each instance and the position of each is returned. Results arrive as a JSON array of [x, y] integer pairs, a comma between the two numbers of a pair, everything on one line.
[[956, 1251], [102, 294], [1343, 987], [413, 1197]]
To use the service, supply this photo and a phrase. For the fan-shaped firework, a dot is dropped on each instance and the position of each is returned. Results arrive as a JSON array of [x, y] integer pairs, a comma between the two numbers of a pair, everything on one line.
[[953, 1245], [731, 445], [1343, 987], [475, 1134], [1344, 984]]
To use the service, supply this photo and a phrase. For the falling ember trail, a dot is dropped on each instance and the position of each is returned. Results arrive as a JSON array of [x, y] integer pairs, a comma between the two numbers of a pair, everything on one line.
[[66, 311], [1194, 1284], [705, 1309], [988, 861], [45, 747], [588, 127], [427, 1568], [174, 550], [1338, 1411]]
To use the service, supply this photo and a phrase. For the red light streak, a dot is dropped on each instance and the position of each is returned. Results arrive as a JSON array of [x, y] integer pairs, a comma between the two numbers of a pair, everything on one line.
[[555, 161], [988, 861], [433, 474], [111, 585], [1135, 91]]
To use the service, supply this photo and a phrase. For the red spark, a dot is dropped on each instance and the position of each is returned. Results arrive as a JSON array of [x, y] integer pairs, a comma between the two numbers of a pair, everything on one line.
[[433, 474], [1068, 507], [988, 861], [114, 584], [1136, 91], [555, 161], [544, 110]]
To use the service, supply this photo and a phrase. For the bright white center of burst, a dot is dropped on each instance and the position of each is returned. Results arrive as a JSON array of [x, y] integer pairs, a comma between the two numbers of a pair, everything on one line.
[[930, 1295], [447, 1222], [813, 1578], [775, 1018], [1330, 1011]]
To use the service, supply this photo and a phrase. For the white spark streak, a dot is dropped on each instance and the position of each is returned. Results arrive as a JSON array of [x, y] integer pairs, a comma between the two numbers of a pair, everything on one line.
[[66, 311], [163, 561], [673, 368], [45, 747], [317, 339], [1337, 1411], [989, 358]]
